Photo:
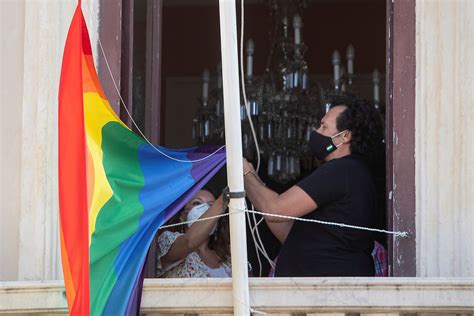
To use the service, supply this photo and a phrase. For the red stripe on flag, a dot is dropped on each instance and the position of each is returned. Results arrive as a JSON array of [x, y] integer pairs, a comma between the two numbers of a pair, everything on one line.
[[72, 173]]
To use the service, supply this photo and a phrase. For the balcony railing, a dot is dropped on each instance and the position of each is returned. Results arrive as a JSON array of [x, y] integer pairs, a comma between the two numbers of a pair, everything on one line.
[[275, 296]]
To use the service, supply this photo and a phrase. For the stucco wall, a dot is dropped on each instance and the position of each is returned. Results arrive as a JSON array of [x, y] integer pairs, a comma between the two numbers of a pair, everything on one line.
[[33, 35], [444, 137], [12, 38]]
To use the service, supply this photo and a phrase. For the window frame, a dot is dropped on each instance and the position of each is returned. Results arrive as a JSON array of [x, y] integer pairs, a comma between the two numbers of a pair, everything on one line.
[[116, 33]]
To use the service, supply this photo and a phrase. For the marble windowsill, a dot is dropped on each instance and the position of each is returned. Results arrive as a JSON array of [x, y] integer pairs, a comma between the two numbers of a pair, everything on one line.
[[282, 295]]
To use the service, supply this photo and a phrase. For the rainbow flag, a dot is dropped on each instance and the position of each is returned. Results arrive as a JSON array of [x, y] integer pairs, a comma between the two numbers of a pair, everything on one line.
[[115, 189]]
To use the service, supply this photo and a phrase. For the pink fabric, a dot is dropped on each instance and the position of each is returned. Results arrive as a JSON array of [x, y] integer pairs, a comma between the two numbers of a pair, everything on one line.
[[379, 254]]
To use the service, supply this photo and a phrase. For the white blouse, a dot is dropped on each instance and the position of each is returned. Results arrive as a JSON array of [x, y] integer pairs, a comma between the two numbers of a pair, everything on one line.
[[190, 267]]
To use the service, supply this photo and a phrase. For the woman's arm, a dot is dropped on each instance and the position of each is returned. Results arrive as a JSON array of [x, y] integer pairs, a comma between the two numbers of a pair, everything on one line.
[[194, 236]]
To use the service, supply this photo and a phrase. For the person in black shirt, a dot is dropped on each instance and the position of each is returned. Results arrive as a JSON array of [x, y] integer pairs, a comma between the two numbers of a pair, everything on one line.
[[341, 190]]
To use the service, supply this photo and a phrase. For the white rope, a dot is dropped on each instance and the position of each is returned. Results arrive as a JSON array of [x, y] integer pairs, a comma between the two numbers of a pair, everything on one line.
[[259, 242], [262, 249], [259, 246], [196, 220], [249, 306], [242, 78], [395, 233], [128, 113], [255, 243]]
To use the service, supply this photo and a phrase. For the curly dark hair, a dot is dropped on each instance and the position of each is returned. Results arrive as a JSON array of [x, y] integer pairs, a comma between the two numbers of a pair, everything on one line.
[[220, 240], [364, 121]]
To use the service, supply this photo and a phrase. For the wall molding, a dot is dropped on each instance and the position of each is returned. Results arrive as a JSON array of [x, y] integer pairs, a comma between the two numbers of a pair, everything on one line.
[[271, 295]]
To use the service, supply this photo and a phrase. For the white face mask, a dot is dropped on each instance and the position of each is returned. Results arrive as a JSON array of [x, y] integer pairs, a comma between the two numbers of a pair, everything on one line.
[[196, 212]]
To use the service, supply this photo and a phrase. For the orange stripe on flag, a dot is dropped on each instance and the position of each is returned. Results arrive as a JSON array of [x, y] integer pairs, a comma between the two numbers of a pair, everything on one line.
[[90, 80], [68, 281], [90, 178]]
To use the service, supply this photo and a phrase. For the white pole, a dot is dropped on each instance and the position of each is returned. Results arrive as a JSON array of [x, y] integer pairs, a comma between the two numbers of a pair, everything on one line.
[[233, 140]]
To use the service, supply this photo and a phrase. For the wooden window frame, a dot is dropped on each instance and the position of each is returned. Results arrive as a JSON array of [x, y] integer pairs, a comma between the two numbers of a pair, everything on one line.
[[400, 135]]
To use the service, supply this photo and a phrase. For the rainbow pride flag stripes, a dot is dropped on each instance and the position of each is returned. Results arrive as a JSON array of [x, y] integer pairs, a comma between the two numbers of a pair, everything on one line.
[[115, 189]]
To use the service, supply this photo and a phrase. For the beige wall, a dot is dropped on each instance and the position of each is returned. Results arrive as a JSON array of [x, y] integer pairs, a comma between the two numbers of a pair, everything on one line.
[[444, 137], [11, 59], [33, 35]]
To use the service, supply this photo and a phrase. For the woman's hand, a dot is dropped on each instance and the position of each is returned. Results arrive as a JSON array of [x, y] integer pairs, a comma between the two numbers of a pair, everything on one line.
[[195, 235]]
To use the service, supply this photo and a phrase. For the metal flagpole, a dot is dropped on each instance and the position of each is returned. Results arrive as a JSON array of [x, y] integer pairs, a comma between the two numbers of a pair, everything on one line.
[[233, 139]]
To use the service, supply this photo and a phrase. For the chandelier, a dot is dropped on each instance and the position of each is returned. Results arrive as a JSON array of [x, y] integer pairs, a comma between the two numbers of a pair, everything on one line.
[[283, 103]]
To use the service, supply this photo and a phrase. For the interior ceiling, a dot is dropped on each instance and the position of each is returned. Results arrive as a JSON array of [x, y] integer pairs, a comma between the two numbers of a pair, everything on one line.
[[140, 5], [216, 2]]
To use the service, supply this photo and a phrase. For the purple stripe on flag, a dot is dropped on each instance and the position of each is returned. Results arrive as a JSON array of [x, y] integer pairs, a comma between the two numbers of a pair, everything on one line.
[[185, 198], [133, 306]]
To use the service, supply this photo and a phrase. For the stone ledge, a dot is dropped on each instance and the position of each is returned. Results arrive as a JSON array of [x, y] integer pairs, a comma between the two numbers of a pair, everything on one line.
[[315, 295]]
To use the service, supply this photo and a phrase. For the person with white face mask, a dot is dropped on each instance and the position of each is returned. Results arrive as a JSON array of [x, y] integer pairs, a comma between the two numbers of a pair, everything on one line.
[[196, 249]]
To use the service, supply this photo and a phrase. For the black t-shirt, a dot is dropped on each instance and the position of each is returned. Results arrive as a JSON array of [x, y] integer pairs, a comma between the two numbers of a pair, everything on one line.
[[344, 191]]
